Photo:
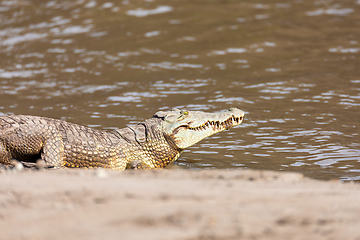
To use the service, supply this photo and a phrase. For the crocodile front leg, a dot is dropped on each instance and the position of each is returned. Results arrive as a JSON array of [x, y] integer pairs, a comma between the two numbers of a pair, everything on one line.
[[30, 143], [5, 155], [137, 164]]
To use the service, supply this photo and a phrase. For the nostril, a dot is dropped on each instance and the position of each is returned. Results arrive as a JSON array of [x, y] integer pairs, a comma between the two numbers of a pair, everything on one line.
[[241, 118]]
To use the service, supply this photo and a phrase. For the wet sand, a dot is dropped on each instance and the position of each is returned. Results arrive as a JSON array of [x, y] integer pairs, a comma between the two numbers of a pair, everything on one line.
[[175, 204]]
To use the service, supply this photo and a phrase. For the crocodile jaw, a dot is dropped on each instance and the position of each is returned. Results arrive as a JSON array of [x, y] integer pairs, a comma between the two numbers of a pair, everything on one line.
[[189, 127]]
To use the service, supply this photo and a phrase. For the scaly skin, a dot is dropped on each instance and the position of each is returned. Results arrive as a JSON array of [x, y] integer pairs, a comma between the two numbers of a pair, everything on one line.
[[154, 143]]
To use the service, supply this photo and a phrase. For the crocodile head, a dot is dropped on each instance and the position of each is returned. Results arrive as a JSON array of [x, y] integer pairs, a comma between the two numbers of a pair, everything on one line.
[[185, 128]]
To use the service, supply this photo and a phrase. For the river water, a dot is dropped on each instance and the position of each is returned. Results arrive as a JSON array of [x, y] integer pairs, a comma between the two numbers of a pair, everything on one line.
[[292, 66]]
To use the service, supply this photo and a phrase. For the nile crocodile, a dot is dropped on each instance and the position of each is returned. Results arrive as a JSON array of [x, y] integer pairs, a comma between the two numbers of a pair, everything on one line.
[[154, 143]]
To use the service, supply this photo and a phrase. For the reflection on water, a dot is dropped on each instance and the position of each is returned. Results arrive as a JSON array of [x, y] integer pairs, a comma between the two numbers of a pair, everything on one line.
[[291, 66]]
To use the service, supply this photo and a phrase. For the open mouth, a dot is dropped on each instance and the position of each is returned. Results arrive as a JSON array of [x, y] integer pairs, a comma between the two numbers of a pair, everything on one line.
[[217, 125]]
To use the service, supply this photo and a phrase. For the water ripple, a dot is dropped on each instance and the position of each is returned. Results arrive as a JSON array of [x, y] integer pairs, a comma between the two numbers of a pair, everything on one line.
[[146, 12]]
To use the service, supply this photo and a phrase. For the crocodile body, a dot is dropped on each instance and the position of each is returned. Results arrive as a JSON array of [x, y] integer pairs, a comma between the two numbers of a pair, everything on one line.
[[154, 143]]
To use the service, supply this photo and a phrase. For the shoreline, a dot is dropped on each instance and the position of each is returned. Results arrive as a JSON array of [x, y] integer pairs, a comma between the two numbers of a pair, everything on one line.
[[175, 204]]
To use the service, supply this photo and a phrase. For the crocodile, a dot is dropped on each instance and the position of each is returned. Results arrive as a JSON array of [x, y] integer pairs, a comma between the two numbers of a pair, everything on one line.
[[153, 143]]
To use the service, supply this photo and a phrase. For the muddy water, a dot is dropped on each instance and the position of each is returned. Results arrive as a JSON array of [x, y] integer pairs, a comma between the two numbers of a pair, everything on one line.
[[293, 66]]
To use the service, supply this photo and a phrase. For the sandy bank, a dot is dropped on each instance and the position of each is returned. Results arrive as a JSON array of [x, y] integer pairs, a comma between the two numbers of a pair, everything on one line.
[[175, 204]]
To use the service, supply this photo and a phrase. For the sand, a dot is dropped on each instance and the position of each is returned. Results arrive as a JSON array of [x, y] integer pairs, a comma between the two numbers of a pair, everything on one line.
[[175, 204]]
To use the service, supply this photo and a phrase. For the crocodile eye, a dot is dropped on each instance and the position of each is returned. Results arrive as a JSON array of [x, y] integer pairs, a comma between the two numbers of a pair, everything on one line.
[[183, 114]]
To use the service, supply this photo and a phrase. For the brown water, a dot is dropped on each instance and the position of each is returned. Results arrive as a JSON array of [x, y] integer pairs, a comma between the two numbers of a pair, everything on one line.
[[292, 66]]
